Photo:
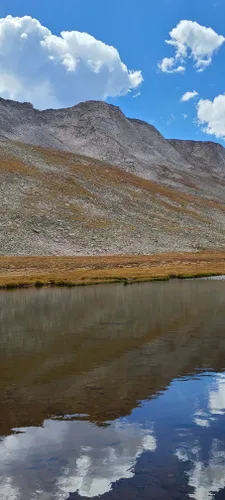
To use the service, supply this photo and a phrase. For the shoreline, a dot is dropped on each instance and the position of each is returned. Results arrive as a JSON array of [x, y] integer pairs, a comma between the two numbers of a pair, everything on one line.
[[27, 272]]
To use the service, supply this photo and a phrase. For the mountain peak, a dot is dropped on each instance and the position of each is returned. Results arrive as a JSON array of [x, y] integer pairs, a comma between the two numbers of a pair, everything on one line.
[[102, 131]]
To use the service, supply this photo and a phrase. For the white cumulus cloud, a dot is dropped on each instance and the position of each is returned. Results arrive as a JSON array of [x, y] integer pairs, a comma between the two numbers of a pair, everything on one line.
[[211, 114], [168, 65], [191, 40], [55, 71], [189, 95]]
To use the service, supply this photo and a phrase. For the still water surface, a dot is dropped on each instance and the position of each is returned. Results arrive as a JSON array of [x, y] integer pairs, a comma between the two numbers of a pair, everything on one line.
[[113, 392]]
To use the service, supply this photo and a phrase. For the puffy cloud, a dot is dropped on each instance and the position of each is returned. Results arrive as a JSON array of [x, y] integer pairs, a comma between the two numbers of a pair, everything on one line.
[[54, 71], [190, 39], [168, 65], [211, 114], [189, 95]]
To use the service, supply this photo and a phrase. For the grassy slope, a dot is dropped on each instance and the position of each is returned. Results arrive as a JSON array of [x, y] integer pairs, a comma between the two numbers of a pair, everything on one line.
[[39, 271]]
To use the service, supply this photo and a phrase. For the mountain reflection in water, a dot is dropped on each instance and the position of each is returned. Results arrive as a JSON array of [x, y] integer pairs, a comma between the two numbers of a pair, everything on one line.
[[113, 391]]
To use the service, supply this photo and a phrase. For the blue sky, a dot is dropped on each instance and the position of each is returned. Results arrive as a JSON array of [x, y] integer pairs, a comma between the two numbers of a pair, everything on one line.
[[138, 30]]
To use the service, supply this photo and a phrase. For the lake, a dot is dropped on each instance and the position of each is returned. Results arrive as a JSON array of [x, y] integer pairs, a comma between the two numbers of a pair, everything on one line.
[[112, 391]]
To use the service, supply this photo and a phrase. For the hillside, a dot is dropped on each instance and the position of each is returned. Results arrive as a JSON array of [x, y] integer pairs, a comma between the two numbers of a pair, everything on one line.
[[88, 180]]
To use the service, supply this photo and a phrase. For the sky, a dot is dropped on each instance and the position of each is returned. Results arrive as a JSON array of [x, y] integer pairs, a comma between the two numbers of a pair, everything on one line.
[[159, 60]]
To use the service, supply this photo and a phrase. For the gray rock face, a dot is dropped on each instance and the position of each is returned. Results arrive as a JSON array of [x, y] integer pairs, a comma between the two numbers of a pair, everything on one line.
[[102, 131], [67, 185], [200, 153]]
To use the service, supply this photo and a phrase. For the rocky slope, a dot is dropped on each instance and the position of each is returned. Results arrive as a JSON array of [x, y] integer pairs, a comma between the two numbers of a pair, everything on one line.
[[89, 180], [102, 131]]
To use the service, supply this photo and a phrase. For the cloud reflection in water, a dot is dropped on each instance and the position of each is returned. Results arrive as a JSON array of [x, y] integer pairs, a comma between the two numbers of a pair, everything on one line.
[[70, 457]]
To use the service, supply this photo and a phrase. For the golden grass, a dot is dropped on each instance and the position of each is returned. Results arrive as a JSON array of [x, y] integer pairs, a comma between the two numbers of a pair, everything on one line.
[[73, 271], [14, 166]]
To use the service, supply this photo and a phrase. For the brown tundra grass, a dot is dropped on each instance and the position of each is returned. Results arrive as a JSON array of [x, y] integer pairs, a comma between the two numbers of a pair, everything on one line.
[[72, 271]]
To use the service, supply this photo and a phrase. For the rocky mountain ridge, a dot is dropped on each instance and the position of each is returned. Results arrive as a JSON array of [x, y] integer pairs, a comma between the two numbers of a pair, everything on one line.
[[89, 180], [102, 131]]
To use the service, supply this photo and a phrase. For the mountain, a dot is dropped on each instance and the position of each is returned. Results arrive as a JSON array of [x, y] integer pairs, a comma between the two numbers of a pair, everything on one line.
[[89, 180]]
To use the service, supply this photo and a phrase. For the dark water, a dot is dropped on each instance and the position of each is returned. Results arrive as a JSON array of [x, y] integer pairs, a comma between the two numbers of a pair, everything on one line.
[[113, 391]]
